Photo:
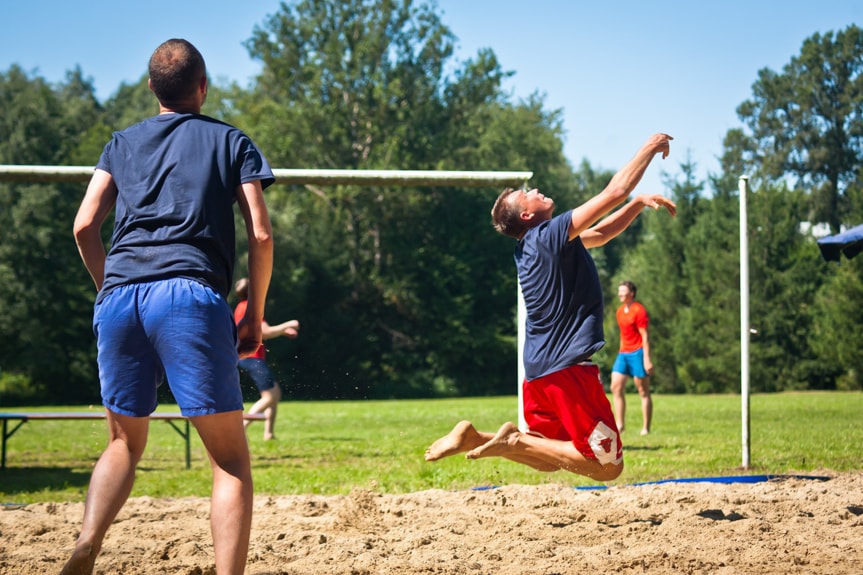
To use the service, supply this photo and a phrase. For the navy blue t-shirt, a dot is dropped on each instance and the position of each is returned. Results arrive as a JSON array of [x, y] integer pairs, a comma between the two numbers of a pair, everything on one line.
[[176, 178], [563, 298]]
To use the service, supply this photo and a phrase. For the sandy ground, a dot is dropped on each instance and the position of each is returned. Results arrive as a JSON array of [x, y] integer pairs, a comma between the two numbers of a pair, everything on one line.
[[774, 527]]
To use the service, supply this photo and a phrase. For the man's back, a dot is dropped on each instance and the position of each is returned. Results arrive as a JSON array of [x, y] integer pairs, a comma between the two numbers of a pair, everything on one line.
[[176, 176]]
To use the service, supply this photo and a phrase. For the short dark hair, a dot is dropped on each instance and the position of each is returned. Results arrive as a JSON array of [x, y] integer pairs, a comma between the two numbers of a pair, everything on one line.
[[506, 215], [176, 69], [630, 286]]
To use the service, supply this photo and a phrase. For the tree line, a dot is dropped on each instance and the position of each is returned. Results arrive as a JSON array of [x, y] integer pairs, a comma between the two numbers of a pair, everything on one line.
[[408, 292]]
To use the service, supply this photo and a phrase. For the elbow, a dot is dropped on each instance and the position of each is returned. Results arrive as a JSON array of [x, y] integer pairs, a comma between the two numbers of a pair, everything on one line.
[[595, 240], [82, 230], [263, 238]]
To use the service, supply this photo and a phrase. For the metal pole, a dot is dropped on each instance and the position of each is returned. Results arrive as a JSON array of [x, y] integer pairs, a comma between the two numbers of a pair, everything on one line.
[[12, 173], [521, 318], [743, 185], [521, 325]]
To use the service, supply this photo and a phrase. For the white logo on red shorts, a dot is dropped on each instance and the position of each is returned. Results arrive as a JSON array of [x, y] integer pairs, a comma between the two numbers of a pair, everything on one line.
[[605, 444]]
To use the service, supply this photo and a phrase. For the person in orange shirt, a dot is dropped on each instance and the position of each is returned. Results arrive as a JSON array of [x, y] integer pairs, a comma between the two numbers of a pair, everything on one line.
[[634, 357], [256, 364]]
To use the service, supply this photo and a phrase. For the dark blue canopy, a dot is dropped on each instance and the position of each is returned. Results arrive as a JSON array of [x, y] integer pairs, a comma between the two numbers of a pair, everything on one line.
[[849, 242]]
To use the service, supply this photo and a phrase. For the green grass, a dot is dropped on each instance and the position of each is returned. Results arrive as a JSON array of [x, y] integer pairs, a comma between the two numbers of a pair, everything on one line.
[[333, 447]]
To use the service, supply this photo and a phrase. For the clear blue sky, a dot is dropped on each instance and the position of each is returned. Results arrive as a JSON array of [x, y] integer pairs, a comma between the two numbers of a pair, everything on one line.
[[620, 71]]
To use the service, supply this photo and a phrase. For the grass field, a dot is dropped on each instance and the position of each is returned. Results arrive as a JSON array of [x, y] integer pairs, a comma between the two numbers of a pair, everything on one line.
[[332, 447]]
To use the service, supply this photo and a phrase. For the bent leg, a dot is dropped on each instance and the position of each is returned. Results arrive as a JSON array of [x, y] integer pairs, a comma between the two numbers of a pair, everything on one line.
[[463, 437], [224, 438], [270, 413], [643, 386], [110, 485], [543, 454], [268, 405], [618, 394]]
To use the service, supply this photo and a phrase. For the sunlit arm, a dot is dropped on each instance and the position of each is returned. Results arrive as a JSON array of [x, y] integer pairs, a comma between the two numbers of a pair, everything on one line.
[[620, 186], [645, 346], [290, 328], [95, 207], [613, 225], [250, 198]]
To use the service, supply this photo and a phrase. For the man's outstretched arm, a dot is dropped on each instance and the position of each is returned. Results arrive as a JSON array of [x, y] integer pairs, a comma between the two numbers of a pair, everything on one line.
[[612, 226], [620, 186]]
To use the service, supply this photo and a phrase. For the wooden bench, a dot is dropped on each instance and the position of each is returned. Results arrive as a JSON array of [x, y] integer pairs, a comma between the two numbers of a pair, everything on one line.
[[23, 417]]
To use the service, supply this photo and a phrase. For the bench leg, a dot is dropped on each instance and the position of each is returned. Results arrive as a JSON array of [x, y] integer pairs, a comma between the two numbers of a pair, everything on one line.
[[6, 435], [185, 435]]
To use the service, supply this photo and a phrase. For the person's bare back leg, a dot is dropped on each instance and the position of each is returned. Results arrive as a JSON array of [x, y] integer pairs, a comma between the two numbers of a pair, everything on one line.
[[643, 386], [268, 405], [543, 454], [618, 395], [497, 445], [463, 437], [232, 496], [274, 394], [110, 485]]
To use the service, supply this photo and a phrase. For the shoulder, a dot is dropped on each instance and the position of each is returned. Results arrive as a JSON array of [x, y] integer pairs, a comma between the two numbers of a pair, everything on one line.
[[554, 231], [216, 124]]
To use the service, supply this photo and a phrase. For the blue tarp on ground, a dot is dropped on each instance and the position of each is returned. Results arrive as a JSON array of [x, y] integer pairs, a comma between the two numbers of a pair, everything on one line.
[[728, 479], [720, 479], [849, 242]]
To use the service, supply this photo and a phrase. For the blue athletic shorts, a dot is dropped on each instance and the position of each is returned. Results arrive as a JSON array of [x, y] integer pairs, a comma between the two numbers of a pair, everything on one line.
[[259, 372], [177, 329], [631, 364]]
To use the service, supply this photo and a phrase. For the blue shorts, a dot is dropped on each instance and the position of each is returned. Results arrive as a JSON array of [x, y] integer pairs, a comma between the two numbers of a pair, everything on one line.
[[175, 328], [631, 364], [259, 372]]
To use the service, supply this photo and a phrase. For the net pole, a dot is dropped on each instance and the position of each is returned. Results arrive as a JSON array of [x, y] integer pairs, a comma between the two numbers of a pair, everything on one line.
[[743, 186], [521, 322]]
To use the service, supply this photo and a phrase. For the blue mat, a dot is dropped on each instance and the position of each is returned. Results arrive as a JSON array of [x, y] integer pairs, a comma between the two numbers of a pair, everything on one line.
[[721, 479]]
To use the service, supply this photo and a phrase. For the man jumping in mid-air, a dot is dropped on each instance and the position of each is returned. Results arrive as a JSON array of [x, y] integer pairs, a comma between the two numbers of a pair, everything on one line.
[[569, 420]]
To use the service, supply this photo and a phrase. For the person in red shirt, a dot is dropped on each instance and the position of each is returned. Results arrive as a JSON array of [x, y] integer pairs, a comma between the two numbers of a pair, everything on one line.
[[634, 357], [256, 364]]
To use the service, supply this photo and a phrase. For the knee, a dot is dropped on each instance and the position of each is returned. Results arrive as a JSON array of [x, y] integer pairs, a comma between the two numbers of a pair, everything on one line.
[[272, 395], [609, 472], [643, 386]]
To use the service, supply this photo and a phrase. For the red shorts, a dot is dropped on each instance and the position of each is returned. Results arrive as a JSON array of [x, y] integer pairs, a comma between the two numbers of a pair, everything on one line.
[[570, 405]]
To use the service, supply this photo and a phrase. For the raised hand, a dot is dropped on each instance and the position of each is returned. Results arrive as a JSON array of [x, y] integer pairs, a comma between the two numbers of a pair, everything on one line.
[[656, 201]]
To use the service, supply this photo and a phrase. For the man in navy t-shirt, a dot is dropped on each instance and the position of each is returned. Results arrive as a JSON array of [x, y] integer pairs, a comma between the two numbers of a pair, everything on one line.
[[569, 420], [161, 310]]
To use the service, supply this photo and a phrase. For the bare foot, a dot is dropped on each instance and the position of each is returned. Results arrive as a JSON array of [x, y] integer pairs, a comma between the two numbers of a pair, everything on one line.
[[81, 562], [497, 445], [463, 437], [269, 436]]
